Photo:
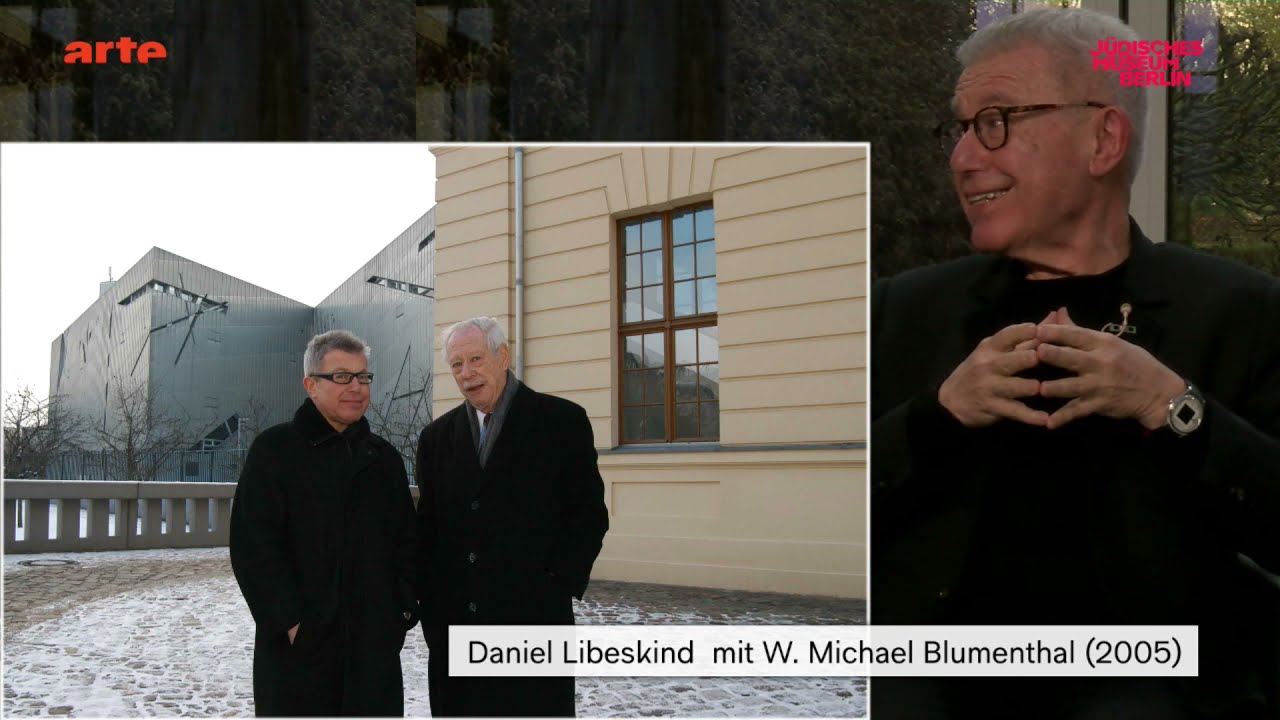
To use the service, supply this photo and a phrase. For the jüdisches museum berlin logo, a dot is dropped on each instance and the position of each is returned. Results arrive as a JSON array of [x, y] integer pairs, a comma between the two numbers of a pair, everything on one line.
[[1146, 62]]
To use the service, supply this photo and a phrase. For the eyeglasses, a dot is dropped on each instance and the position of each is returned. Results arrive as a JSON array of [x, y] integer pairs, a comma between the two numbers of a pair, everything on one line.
[[991, 124], [345, 378]]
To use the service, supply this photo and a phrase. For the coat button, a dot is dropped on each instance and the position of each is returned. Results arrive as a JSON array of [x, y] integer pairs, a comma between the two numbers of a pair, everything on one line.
[[407, 615], [471, 557], [475, 504], [944, 593], [471, 607], [1237, 492]]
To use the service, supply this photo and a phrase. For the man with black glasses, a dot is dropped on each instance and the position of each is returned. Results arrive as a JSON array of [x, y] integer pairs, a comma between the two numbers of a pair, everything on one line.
[[323, 546], [1076, 425]]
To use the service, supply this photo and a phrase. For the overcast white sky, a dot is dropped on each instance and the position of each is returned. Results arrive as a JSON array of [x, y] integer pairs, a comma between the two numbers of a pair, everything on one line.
[[297, 219]]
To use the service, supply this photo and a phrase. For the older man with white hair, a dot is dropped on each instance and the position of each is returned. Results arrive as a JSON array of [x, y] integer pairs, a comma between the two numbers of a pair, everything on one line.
[[1076, 425], [511, 516]]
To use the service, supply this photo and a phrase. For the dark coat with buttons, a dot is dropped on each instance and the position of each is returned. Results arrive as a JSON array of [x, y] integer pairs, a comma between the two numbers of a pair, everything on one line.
[[508, 544], [323, 535], [1170, 518]]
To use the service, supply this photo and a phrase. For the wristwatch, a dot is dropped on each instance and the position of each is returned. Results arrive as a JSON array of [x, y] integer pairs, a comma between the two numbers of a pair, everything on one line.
[[1186, 411]]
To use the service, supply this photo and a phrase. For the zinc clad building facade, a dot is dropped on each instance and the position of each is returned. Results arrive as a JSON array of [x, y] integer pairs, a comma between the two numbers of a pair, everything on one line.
[[388, 303], [225, 356], [203, 345], [706, 306]]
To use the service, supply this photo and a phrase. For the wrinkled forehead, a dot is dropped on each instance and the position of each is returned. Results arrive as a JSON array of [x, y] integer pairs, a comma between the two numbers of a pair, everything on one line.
[[1022, 75], [468, 341]]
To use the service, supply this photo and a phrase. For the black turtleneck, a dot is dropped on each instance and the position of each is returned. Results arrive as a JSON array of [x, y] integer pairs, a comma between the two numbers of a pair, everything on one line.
[[1033, 561]]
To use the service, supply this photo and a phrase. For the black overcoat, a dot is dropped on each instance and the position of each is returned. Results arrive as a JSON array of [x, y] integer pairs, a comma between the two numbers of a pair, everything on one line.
[[509, 544], [323, 534], [1170, 526]]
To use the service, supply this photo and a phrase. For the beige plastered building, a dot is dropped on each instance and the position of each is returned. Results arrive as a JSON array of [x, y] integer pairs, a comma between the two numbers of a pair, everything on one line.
[[777, 502]]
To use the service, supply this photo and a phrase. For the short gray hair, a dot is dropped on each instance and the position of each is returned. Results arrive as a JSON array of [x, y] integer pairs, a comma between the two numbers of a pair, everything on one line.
[[1069, 34], [325, 343], [487, 325]]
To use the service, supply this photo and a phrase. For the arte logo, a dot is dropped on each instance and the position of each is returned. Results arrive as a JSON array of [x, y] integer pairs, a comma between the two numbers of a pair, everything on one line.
[[99, 53], [1145, 62]]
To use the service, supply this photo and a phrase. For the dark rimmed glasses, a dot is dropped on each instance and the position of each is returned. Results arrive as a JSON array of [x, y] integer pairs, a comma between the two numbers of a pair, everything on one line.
[[345, 378], [991, 124]]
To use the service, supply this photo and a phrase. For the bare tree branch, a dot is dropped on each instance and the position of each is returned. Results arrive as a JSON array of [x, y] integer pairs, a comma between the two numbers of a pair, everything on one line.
[[37, 429], [142, 436]]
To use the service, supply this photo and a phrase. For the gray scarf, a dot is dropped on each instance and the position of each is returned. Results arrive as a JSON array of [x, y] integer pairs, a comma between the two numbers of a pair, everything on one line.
[[495, 423]]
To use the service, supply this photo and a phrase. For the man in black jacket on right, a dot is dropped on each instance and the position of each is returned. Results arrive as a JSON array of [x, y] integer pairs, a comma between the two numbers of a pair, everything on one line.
[[1078, 425], [511, 516]]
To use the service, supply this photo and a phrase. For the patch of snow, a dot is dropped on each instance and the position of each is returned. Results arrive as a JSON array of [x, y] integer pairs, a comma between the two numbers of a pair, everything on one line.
[[187, 649]]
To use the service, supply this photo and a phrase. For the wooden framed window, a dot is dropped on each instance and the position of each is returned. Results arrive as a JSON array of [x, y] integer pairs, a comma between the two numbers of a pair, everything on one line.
[[669, 337]]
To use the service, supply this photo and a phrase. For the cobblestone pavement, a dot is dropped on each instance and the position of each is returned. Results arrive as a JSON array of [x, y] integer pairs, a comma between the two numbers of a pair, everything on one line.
[[165, 632], [36, 594]]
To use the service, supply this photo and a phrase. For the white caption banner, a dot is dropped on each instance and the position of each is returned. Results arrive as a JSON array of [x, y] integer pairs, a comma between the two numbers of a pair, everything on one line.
[[824, 650]]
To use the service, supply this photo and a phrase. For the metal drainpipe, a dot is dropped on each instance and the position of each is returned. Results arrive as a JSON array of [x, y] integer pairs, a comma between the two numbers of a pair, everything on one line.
[[519, 331]]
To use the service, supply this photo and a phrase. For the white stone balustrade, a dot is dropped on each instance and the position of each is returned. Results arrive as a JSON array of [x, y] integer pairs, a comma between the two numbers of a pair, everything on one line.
[[161, 508]]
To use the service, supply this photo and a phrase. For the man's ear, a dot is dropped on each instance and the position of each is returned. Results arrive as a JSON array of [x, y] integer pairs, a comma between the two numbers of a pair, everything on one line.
[[1111, 135]]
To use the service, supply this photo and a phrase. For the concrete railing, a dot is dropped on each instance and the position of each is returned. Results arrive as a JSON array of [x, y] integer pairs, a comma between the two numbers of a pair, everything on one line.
[[62, 516]]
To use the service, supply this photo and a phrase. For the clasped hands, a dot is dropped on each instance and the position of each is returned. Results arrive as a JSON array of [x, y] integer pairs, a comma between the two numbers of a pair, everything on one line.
[[1110, 377]]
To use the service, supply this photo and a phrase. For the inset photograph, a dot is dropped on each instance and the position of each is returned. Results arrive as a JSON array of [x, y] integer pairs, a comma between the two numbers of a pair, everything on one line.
[[321, 402]]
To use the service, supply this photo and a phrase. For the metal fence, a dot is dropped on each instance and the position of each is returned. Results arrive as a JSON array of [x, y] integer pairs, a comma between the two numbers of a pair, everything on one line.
[[171, 466], [216, 466]]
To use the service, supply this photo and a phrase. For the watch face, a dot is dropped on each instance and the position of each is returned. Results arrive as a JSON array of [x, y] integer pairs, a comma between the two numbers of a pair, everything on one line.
[[1186, 414]]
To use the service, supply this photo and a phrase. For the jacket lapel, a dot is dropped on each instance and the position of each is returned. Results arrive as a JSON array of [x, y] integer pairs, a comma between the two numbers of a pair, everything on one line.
[[464, 452], [980, 311], [1146, 284], [514, 426]]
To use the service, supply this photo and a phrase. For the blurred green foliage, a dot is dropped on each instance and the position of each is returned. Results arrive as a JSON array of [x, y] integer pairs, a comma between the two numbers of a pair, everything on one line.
[[1225, 136]]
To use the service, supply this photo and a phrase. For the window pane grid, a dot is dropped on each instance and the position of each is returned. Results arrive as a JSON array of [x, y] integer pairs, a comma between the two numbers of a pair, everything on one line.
[[669, 375], [646, 392], [697, 383], [644, 270]]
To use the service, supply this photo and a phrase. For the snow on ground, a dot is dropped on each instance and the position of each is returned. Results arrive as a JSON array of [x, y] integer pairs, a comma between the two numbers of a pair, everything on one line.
[[175, 650], [185, 649], [14, 563], [180, 650]]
